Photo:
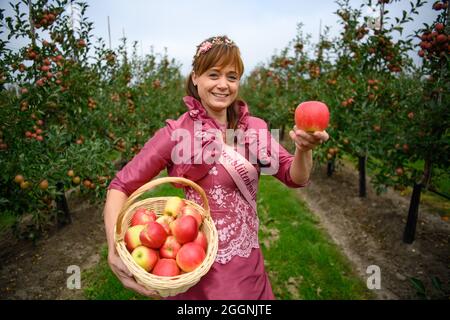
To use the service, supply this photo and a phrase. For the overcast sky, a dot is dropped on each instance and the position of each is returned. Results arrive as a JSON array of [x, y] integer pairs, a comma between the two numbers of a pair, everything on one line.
[[259, 27]]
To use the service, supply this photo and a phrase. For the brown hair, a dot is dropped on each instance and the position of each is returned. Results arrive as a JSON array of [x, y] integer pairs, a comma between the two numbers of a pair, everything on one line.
[[222, 53]]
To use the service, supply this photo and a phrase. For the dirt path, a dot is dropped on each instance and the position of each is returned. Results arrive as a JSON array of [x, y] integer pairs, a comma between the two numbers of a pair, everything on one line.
[[41, 272], [370, 232]]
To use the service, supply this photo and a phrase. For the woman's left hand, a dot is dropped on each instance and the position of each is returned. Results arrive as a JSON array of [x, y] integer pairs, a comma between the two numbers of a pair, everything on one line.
[[305, 141]]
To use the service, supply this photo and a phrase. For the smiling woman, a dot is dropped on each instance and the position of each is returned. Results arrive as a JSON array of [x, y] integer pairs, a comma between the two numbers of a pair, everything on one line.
[[230, 180], [215, 78], [218, 89]]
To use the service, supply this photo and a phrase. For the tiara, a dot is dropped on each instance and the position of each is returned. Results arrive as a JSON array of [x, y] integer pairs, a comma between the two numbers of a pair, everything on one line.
[[208, 44]]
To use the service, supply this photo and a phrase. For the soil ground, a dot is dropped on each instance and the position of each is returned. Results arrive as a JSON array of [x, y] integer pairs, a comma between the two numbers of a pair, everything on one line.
[[41, 271], [369, 231]]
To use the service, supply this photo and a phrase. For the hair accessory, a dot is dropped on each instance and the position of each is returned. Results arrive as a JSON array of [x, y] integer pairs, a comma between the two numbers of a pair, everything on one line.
[[208, 44]]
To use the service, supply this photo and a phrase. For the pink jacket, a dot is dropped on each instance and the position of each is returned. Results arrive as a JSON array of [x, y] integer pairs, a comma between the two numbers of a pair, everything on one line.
[[238, 271], [156, 155]]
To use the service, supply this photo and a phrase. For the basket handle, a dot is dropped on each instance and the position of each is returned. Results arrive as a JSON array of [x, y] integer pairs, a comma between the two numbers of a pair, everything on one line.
[[154, 183]]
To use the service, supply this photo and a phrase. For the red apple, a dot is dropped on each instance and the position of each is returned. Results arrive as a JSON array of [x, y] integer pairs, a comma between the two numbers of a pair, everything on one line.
[[191, 211], [166, 268], [201, 240], [143, 216], [145, 257], [165, 221], [153, 235], [312, 116], [184, 229], [170, 248], [173, 206], [132, 238], [190, 256], [399, 171]]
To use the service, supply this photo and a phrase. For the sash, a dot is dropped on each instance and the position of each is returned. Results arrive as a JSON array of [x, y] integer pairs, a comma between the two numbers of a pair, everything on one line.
[[242, 171]]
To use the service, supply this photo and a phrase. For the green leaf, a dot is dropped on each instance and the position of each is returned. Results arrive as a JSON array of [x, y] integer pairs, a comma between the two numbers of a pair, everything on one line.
[[399, 29], [418, 285], [437, 283]]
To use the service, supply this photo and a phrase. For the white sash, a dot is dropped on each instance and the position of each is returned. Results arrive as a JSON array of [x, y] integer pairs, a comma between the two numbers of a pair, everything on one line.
[[242, 171]]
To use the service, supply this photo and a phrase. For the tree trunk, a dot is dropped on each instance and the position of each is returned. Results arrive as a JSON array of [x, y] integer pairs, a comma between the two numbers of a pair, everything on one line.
[[362, 176], [413, 213], [63, 215], [330, 167]]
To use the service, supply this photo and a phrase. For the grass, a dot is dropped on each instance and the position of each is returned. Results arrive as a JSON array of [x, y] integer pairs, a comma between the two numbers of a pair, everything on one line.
[[437, 202], [100, 283], [301, 260], [7, 220]]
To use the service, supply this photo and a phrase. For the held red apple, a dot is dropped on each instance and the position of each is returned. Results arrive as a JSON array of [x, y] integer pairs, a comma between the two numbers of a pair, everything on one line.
[[153, 235], [190, 256], [173, 206], [166, 268], [143, 216], [191, 211], [132, 237], [170, 248], [312, 116], [145, 257], [201, 240], [184, 229]]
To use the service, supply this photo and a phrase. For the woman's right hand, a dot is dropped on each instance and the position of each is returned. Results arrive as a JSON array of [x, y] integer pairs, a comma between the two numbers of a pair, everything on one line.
[[126, 277]]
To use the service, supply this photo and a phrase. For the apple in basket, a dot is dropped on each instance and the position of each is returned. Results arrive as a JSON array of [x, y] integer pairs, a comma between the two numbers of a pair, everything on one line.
[[170, 248], [191, 211], [143, 216], [145, 257], [153, 235], [201, 240], [184, 229], [173, 206], [165, 221], [132, 237], [166, 268], [190, 256]]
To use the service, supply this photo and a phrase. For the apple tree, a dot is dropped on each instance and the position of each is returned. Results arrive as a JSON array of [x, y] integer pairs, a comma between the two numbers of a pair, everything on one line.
[[67, 108]]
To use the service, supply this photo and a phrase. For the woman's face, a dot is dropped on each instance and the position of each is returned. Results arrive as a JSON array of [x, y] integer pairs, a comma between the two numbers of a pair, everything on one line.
[[217, 87]]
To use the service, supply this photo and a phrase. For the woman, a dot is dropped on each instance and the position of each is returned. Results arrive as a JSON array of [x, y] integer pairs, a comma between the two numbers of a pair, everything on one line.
[[228, 173]]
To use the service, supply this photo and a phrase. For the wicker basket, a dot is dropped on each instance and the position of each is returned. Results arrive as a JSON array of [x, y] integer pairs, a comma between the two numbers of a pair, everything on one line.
[[165, 286]]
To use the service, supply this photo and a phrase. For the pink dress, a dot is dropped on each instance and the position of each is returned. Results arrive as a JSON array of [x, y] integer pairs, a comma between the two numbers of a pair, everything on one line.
[[238, 272]]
